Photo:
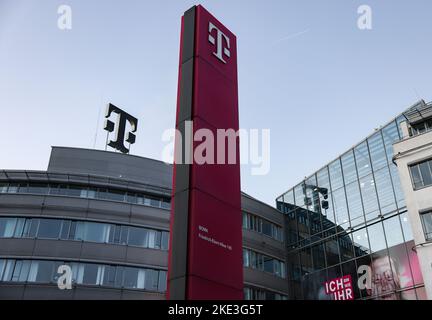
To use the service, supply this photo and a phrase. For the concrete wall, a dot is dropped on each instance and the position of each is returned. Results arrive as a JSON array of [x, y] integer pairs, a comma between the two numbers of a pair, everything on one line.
[[410, 151], [110, 164]]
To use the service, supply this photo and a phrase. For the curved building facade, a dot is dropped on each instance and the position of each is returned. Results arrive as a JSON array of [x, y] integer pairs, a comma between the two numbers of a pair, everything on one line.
[[106, 216]]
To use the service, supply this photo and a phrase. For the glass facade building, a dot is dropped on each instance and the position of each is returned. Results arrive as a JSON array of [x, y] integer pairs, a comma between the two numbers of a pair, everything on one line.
[[350, 219]]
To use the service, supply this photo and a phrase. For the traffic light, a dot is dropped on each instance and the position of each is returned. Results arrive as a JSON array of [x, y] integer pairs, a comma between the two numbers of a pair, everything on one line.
[[324, 204]]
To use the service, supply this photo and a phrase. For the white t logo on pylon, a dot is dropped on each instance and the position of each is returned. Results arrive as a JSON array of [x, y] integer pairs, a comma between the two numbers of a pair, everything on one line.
[[219, 43]]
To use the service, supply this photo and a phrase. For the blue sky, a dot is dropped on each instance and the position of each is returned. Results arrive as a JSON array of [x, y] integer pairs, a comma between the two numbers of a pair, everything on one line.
[[306, 72]]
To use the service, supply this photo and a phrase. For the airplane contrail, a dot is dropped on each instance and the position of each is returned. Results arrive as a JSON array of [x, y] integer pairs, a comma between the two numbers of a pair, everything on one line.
[[291, 36]]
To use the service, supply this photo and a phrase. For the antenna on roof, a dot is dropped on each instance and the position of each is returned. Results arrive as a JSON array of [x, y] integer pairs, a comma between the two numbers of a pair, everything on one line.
[[97, 123]]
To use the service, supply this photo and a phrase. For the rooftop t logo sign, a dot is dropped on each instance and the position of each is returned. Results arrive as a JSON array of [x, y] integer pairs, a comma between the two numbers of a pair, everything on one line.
[[340, 288], [120, 126], [219, 42]]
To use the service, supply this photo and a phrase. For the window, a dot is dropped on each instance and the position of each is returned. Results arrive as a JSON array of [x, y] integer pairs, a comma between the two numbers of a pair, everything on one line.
[[166, 204], [7, 227], [114, 195], [421, 174], [151, 279], [92, 274], [19, 227], [245, 220], [52, 228], [162, 281], [37, 188], [76, 191], [92, 231], [138, 237], [421, 127], [262, 294], [65, 230], [165, 240], [49, 228], [8, 266], [257, 224], [134, 278], [267, 228], [3, 187], [109, 276], [264, 263], [427, 224], [41, 271], [85, 192]]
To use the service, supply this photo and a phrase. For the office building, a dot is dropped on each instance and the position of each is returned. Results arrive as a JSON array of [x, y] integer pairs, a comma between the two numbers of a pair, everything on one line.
[[106, 215]]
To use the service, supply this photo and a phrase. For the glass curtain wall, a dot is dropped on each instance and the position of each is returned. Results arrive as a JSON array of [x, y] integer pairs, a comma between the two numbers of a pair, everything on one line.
[[349, 218]]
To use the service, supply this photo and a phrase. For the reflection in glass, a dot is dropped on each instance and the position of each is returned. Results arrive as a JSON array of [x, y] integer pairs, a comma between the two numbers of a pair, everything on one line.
[[354, 204], [348, 167], [400, 197], [336, 175], [377, 152], [350, 268], [346, 247], [390, 135], [361, 242], [406, 227], [393, 231], [299, 195], [332, 251], [385, 191], [376, 237], [318, 254], [340, 208], [370, 200], [362, 159]]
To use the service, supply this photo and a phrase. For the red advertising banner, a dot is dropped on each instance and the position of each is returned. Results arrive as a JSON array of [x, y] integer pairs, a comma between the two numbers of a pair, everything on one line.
[[340, 288], [205, 259]]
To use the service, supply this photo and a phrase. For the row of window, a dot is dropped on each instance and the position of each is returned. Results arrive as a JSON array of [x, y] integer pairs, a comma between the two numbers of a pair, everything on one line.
[[255, 223], [261, 294], [421, 174], [264, 263], [42, 271], [86, 192], [12, 227]]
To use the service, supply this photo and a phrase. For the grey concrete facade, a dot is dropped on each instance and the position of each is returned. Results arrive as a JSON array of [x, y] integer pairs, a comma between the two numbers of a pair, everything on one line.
[[101, 169]]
